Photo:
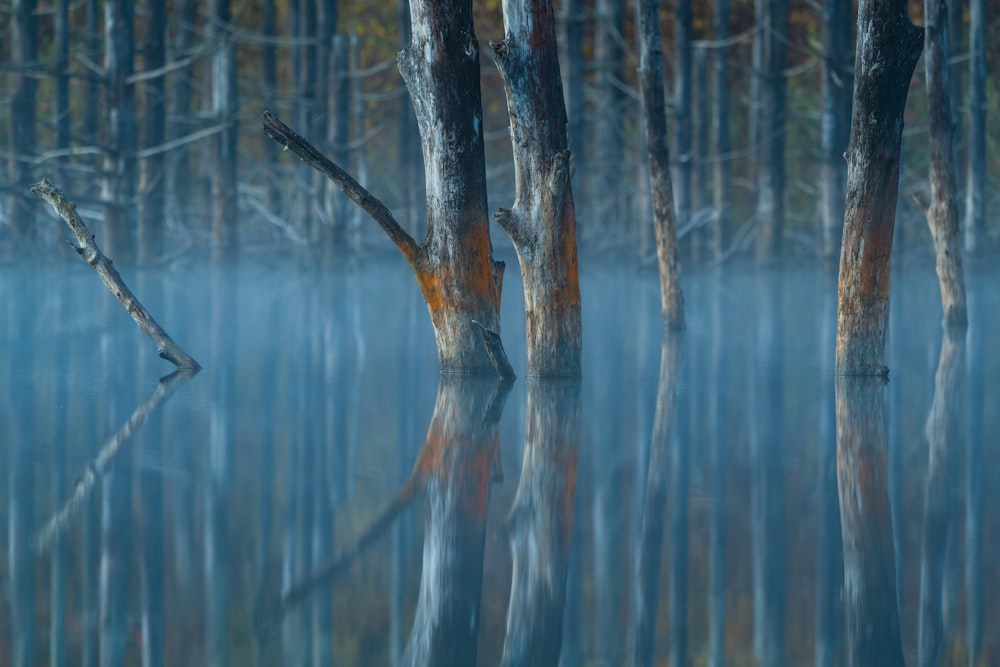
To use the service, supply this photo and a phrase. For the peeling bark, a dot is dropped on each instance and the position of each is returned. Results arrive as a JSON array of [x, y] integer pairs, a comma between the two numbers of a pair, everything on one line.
[[888, 47], [873, 635], [654, 113], [942, 216], [542, 221]]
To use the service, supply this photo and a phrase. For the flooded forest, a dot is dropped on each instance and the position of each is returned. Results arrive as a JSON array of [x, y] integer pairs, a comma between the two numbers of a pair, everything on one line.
[[439, 333]]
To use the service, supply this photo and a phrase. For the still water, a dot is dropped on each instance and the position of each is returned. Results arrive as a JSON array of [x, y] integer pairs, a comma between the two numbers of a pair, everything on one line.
[[319, 495]]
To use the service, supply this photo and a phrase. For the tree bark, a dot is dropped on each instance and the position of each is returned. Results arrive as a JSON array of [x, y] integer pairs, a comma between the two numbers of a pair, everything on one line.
[[835, 123], [542, 222], [942, 216], [541, 523], [152, 203], [118, 190], [873, 634], [887, 52], [655, 124], [23, 55], [975, 184]]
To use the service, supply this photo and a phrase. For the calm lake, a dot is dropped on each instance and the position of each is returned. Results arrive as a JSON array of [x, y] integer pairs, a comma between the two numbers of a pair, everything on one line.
[[318, 494]]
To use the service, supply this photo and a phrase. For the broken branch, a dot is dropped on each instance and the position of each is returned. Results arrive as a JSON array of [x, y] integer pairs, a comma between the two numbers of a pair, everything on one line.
[[87, 248]]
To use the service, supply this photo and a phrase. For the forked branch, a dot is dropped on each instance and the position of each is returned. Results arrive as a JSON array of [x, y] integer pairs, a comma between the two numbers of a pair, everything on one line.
[[368, 202], [87, 248]]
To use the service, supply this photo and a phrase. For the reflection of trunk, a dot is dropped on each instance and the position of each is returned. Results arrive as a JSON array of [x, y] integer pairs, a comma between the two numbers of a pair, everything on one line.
[[718, 437], [646, 583], [873, 633], [116, 554], [942, 216], [974, 488], [888, 47], [655, 117], [941, 430], [541, 523], [454, 470], [542, 221], [20, 517], [768, 488]]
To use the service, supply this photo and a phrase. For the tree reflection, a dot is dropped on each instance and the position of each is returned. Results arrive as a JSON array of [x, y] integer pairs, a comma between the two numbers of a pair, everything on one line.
[[646, 583], [541, 523], [873, 635], [941, 430]]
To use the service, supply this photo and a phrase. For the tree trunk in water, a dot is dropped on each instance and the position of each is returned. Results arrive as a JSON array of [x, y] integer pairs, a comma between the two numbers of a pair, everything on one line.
[[975, 184], [454, 471], [701, 190], [62, 118], [454, 266], [224, 107], [682, 108], [118, 189], [942, 216], [540, 524], [887, 52], [873, 635], [835, 122], [571, 63], [338, 114], [542, 222], [23, 54], [655, 120], [182, 176], [941, 491], [605, 215], [722, 174], [152, 203], [771, 156]]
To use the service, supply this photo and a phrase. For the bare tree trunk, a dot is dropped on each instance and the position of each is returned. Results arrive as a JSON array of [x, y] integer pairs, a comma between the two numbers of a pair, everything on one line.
[[23, 55], [942, 216], [771, 158], [835, 122], [61, 112], [975, 184], [873, 633], [542, 222], [338, 109], [887, 52], [683, 75], [151, 182], [269, 85], [941, 491], [118, 190], [605, 216], [571, 63], [722, 173], [224, 106], [655, 121], [541, 523], [182, 121]]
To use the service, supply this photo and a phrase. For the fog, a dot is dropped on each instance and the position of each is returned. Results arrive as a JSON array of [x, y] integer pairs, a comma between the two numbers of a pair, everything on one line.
[[319, 494]]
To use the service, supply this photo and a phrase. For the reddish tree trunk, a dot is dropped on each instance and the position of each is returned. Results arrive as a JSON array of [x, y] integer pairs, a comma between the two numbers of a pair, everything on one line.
[[887, 52], [542, 222]]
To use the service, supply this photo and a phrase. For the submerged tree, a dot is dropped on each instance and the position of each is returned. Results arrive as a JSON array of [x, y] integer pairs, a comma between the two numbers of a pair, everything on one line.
[[887, 51], [655, 119]]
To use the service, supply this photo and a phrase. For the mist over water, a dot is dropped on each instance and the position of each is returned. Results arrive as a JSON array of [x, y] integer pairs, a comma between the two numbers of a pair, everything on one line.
[[224, 528]]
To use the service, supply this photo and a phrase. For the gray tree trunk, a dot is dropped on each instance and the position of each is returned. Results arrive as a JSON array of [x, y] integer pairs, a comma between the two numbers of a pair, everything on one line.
[[224, 108], [23, 55], [887, 51], [409, 144], [338, 114], [606, 214], [542, 221], [975, 183], [835, 123], [701, 185], [152, 202], [62, 118], [683, 75], [655, 124], [942, 216], [773, 33], [118, 189], [182, 117], [721, 173], [572, 19]]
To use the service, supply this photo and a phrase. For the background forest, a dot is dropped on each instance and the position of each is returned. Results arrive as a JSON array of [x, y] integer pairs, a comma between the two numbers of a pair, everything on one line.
[[147, 115]]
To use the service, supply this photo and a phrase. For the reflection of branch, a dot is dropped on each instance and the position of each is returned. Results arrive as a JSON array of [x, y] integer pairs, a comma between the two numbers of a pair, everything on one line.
[[88, 249], [85, 484]]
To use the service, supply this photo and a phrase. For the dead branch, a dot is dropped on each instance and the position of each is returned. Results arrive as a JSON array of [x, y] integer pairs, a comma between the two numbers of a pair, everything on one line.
[[91, 253], [370, 204], [86, 482]]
